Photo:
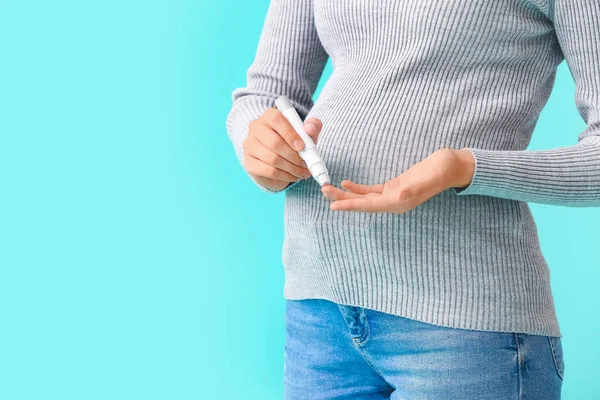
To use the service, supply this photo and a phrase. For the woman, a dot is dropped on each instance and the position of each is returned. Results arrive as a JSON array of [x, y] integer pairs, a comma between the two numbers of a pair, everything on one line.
[[423, 278]]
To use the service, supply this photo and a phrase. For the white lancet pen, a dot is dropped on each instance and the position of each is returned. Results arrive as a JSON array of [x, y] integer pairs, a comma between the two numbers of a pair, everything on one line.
[[309, 154]]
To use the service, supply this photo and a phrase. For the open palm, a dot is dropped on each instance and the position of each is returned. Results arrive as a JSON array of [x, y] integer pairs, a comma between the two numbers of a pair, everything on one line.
[[441, 170]]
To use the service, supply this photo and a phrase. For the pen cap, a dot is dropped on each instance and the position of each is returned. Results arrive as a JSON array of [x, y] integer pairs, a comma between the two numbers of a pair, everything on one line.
[[286, 107], [283, 103]]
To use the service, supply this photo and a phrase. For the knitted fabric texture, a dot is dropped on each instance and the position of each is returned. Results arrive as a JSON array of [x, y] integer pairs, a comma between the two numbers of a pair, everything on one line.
[[411, 77]]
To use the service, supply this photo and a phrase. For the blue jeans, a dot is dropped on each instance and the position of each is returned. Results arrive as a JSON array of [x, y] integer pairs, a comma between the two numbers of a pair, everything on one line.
[[336, 351]]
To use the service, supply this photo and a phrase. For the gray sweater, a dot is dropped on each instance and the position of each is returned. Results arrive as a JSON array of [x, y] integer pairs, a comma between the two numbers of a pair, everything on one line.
[[410, 77]]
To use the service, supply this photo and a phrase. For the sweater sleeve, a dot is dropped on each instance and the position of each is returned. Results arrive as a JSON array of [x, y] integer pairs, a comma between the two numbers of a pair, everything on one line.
[[289, 61], [570, 175]]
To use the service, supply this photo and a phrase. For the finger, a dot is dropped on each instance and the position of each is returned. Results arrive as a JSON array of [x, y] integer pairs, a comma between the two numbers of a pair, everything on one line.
[[279, 123], [333, 193], [362, 189], [313, 127], [268, 182], [377, 203], [274, 142], [261, 152], [257, 167]]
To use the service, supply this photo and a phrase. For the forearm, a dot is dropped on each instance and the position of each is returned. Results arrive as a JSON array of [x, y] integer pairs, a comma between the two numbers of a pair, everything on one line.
[[568, 176], [289, 61]]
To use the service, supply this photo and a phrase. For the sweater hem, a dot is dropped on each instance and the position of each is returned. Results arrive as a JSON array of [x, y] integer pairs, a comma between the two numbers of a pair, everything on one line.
[[290, 293]]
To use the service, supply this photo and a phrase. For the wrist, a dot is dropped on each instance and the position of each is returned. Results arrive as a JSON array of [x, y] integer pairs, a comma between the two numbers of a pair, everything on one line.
[[466, 167]]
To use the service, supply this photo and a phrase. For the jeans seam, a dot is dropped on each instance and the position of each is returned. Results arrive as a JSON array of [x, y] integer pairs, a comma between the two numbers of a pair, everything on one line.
[[519, 365], [557, 363], [368, 360], [365, 336], [367, 329], [360, 342]]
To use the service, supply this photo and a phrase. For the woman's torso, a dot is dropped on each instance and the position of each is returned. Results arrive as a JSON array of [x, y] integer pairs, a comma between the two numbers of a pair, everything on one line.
[[410, 77]]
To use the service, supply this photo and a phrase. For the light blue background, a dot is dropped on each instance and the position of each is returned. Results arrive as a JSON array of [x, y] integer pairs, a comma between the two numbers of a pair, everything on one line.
[[137, 260]]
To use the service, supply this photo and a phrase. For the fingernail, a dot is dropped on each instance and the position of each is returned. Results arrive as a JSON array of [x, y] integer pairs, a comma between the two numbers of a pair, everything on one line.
[[298, 145], [310, 128], [306, 174]]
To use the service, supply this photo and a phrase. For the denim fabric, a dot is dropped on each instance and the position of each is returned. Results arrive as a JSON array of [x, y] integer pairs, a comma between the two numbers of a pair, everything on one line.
[[336, 351]]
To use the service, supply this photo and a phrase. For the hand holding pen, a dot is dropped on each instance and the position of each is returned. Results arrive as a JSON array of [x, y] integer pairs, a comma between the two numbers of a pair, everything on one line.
[[271, 149]]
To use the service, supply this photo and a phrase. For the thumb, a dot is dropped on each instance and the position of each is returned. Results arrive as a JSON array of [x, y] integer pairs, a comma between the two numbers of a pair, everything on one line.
[[313, 127]]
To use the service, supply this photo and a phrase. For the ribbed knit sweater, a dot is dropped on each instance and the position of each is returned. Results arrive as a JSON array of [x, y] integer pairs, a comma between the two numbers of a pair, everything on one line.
[[410, 77]]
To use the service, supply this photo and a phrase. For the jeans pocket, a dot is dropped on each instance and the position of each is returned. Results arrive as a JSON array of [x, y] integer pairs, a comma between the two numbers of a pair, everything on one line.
[[557, 354]]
